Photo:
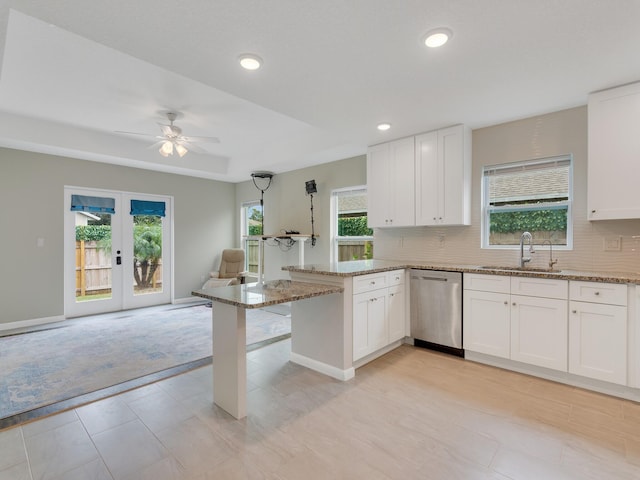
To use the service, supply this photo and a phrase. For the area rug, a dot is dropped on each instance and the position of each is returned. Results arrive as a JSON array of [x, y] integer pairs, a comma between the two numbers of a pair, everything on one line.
[[84, 355]]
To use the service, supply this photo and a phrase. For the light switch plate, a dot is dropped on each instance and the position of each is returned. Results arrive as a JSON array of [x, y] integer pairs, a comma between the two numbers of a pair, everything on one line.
[[612, 244]]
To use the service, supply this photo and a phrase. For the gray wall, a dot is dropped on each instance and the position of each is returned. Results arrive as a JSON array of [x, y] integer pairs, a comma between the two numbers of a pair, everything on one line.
[[287, 207], [31, 206], [541, 136]]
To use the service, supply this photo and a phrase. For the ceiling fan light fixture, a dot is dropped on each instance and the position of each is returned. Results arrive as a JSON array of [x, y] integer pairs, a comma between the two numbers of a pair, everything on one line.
[[249, 61], [181, 149], [437, 37], [166, 149], [383, 127]]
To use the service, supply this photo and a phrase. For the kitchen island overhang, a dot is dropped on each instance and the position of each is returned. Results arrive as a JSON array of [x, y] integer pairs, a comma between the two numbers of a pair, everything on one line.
[[317, 333]]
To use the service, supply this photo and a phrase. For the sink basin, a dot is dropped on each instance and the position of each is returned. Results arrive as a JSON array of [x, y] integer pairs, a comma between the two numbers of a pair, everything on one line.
[[519, 269]]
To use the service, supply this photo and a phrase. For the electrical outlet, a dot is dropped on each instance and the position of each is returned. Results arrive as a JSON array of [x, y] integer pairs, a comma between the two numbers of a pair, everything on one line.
[[612, 244]]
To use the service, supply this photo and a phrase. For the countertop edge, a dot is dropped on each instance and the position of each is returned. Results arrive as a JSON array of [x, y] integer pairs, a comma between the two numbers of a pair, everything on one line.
[[386, 266], [273, 297]]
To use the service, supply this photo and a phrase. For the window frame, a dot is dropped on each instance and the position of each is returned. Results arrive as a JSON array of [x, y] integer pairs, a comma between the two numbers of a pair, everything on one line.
[[333, 228], [530, 164], [244, 228]]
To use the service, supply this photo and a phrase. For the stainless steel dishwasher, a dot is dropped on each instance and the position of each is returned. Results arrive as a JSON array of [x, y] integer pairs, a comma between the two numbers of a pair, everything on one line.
[[436, 310]]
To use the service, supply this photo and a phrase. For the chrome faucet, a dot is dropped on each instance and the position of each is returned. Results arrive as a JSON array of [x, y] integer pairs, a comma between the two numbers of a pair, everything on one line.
[[523, 259], [552, 262]]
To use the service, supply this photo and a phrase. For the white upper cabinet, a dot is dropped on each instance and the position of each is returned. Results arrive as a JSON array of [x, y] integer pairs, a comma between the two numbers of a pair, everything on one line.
[[390, 184], [422, 180], [443, 177], [614, 153]]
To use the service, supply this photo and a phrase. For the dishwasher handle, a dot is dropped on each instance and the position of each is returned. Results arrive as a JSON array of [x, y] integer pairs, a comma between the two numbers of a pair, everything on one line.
[[439, 279]]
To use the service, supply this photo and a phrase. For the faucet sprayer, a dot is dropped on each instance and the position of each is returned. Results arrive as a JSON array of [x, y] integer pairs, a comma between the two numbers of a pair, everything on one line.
[[552, 262]]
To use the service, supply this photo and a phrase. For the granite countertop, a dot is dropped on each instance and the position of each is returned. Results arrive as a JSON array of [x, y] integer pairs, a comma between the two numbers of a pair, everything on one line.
[[254, 295], [364, 267]]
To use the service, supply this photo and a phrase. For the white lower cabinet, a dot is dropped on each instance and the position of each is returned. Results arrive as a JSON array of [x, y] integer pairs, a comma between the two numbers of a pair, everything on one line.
[[369, 322], [539, 331], [598, 331], [487, 323], [379, 312], [396, 313], [523, 327]]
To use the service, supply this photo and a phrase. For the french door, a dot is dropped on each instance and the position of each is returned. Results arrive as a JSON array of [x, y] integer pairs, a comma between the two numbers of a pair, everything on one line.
[[117, 251]]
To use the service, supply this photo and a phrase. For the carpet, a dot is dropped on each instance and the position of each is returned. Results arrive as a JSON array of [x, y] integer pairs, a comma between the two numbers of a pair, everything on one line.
[[84, 355]]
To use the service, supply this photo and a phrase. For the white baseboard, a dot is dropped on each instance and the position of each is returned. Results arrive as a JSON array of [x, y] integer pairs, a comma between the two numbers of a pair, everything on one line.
[[607, 388], [31, 323], [378, 353], [323, 368], [180, 301]]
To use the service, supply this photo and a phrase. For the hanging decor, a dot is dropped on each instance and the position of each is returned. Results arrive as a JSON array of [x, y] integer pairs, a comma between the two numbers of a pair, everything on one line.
[[265, 181], [310, 187]]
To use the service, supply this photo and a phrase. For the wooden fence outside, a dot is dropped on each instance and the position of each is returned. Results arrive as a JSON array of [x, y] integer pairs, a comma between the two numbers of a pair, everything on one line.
[[556, 237], [93, 269]]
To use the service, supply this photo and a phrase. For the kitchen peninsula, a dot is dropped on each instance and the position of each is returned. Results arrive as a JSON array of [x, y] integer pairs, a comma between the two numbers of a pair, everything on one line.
[[228, 312]]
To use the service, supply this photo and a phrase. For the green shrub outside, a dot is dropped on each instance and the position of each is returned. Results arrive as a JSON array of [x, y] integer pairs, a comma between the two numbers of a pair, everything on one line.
[[353, 227], [539, 221]]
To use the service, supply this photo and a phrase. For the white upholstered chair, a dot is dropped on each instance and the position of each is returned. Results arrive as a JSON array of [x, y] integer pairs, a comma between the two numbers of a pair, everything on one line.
[[231, 270]]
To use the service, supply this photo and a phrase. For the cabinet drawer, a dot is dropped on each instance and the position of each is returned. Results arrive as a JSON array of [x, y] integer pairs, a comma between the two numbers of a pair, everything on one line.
[[395, 277], [366, 283], [539, 287], [486, 283], [594, 292]]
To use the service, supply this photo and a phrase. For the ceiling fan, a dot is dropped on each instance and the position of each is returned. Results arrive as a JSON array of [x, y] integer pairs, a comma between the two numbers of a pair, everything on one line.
[[172, 138]]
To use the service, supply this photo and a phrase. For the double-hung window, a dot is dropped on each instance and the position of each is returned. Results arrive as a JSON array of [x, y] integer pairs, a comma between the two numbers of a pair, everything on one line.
[[351, 238], [251, 224], [534, 196]]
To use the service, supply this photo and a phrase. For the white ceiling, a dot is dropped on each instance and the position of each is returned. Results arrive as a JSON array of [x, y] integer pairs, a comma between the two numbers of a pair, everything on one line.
[[75, 71]]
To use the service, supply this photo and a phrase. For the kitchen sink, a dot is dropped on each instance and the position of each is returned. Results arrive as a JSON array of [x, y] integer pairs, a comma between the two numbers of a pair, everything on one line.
[[520, 269]]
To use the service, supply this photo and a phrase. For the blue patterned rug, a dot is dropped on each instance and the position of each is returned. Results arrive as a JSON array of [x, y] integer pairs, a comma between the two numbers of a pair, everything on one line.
[[79, 356]]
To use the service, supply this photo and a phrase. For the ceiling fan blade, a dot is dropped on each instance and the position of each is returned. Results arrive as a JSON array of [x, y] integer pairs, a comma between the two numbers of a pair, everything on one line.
[[192, 147], [137, 133], [201, 139]]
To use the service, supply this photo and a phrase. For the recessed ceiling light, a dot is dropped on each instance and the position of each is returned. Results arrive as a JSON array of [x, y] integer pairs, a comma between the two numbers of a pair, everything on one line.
[[384, 126], [250, 61], [437, 37]]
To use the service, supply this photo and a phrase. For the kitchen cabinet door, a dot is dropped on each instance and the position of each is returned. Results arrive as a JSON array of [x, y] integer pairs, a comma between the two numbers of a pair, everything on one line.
[[396, 313], [614, 149], [598, 341], [487, 327], [370, 328], [539, 331], [443, 177], [378, 187], [391, 184]]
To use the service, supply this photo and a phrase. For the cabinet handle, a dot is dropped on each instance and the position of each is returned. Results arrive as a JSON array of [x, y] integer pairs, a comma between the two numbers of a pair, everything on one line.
[[514, 304], [372, 283], [506, 303], [596, 293], [574, 311]]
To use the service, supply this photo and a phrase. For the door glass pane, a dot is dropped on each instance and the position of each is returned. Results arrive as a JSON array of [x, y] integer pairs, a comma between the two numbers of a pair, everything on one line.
[[147, 254], [252, 221], [93, 256]]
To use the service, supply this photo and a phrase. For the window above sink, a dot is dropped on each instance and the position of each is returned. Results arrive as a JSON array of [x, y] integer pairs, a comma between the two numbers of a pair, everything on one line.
[[532, 195]]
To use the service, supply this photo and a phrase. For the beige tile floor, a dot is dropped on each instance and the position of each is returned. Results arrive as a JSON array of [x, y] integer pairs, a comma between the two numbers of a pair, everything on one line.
[[410, 414]]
